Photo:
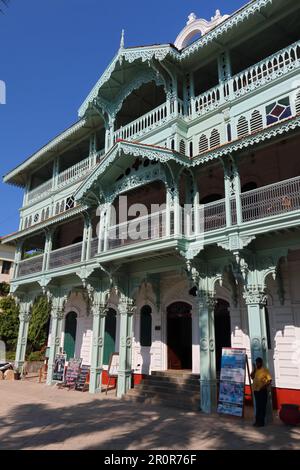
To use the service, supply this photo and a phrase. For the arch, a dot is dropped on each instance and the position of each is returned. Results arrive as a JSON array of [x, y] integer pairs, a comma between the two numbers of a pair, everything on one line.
[[70, 334], [195, 27], [109, 335]]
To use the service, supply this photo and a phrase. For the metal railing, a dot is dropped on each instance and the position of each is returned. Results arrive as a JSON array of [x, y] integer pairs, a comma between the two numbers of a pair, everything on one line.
[[30, 266], [147, 122], [249, 79], [277, 64], [274, 199], [214, 215], [152, 227], [65, 256]]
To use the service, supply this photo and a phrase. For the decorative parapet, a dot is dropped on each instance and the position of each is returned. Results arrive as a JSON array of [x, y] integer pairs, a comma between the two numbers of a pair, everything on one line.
[[196, 25]]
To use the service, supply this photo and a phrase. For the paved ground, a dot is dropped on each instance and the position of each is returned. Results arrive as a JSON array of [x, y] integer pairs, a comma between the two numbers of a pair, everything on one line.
[[34, 416]]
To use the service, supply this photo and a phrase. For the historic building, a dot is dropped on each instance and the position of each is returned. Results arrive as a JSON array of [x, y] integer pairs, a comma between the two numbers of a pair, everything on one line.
[[211, 123]]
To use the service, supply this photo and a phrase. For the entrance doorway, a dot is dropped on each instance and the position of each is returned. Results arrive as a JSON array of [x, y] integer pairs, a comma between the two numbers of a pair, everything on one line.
[[179, 336], [222, 330], [70, 334]]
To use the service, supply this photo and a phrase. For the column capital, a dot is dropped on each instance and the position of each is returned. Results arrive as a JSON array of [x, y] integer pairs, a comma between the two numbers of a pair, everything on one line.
[[127, 306], [255, 295], [207, 299]]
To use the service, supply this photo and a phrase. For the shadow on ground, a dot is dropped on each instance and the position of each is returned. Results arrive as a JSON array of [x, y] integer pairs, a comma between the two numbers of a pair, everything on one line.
[[112, 424]]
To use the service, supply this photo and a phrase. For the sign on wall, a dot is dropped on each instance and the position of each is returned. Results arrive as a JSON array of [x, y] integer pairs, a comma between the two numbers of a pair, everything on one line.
[[232, 382]]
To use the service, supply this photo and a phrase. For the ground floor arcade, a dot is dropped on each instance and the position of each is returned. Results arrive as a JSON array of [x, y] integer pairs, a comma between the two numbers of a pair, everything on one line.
[[163, 314]]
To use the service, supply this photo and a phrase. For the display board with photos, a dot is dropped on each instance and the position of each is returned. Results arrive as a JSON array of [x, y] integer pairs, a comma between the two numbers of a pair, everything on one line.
[[83, 378], [232, 382], [73, 371], [59, 367]]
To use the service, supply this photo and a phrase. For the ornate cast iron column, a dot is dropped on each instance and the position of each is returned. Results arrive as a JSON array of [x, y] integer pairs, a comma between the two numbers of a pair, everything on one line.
[[126, 309], [208, 384], [256, 300], [25, 310], [57, 317], [99, 311]]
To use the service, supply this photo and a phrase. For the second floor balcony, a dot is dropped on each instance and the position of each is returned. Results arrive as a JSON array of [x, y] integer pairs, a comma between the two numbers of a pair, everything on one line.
[[276, 203]]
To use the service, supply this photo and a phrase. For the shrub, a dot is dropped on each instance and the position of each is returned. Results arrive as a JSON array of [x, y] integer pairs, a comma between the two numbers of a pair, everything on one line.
[[9, 322], [36, 356]]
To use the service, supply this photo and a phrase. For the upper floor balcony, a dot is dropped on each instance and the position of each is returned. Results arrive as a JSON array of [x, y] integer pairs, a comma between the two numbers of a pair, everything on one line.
[[277, 204], [67, 177]]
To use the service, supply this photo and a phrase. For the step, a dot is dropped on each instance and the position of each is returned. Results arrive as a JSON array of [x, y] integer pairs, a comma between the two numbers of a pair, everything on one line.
[[165, 400], [170, 387], [174, 373], [172, 381]]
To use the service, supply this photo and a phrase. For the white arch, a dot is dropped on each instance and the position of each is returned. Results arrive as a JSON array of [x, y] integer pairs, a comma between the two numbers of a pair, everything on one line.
[[195, 26]]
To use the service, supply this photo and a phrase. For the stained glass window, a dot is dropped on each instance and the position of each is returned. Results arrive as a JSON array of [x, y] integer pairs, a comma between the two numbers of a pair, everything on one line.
[[278, 111]]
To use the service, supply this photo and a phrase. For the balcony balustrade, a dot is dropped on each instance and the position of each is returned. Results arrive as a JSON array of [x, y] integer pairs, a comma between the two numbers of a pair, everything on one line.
[[31, 265], [66, 177], [141, 229], [274, 199], [65, 256], [248, 80]]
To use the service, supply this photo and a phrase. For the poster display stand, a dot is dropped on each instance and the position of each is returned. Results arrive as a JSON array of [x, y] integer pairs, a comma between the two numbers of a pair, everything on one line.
[[73, 371], [59, 368], [232, 381]]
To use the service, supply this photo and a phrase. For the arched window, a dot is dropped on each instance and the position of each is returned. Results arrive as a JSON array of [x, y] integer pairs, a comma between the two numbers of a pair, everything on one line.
[[242, 127], [214, 138], [203, 144], [298, 103], [182, 147], [146, 326], [256, 121]]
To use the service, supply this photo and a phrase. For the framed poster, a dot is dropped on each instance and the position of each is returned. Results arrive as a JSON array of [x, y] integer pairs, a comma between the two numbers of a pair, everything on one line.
[[73, 371], [232, 382], [59, 367], [113, 367]]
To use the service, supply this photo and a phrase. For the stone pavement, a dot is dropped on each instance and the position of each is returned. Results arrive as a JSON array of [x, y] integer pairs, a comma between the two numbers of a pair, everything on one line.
[[35, 416]]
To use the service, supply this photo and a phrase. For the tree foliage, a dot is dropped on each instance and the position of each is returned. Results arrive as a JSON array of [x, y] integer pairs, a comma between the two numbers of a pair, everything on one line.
[[4, 288], [39, 324], [9, 322]]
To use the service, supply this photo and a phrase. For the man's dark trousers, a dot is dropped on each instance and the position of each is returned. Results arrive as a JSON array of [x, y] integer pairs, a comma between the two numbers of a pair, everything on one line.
[[261, 398]]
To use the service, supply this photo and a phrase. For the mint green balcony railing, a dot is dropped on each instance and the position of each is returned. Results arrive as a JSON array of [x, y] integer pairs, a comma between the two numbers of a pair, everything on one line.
[[66, 177], [30, 266], [274, 199], [65, 256]]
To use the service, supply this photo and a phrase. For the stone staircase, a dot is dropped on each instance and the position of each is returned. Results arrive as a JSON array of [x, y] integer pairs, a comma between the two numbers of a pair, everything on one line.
[[174, 388]]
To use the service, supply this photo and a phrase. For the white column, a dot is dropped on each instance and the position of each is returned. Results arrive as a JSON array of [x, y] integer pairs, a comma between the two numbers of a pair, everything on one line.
[[25, 308], [99, 311]]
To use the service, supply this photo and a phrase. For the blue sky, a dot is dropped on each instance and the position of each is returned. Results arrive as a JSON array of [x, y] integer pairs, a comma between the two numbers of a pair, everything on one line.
[[51, 54]]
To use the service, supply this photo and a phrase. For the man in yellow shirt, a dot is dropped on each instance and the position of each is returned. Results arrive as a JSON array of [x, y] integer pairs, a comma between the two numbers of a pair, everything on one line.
[[261, 380]]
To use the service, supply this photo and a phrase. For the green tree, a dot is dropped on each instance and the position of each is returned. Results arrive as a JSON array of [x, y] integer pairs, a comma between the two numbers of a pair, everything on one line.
[[4, 289], [39, 324], [9, 322]]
